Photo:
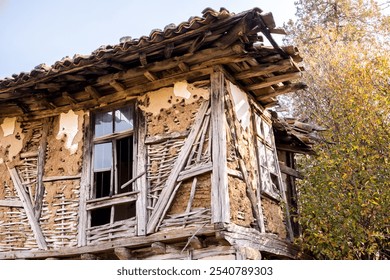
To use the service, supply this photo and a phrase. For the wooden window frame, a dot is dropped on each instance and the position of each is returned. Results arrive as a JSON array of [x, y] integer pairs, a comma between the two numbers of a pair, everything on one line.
[[115, 197], [268, 144]]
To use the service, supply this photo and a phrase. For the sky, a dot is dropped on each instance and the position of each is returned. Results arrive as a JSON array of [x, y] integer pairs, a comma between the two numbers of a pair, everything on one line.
[[44, 31]]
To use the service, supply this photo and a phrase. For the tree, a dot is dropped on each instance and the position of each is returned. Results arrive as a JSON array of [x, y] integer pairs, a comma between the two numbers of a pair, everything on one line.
[[345, 197]]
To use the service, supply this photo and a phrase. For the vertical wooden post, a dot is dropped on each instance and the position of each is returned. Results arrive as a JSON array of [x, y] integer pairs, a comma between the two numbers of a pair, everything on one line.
[[41, 167], [141, 168], [220, 205], [84, 183]]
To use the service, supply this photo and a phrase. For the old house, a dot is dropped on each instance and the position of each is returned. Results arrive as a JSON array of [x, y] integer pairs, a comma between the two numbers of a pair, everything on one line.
[[155, 148]]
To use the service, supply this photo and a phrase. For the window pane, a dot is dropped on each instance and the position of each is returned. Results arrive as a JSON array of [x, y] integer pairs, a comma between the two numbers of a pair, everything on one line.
[[124, 119], [102, 156], [124, 211], [259, 129], [102, 182], [124, 149], [271, 160], [100, 216], [103, 124], [267, 132], [262, 153]]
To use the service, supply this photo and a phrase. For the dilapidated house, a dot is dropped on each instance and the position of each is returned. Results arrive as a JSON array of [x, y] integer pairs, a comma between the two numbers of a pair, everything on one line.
[[156, 148]]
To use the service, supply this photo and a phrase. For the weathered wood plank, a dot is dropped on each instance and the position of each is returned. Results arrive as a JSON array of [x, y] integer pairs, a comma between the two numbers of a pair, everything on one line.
[[220, 205], [162, 206], [141, 184], [11, 203], [124, 253], [290, 171], [61, 178], [265, 242], [264, 69], [28, 207], [84, 183], [111, 201], [274, 80], [195, 171]]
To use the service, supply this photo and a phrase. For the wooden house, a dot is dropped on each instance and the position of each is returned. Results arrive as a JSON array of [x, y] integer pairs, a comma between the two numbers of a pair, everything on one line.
[[156, 148]]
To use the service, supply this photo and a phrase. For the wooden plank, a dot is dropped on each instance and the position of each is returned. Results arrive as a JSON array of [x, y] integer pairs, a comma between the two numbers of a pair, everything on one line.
[[141, 183], [162, 206], [163, 137], [88, 256], [109, 201], [28, 207], [220, 206], [274, 80], [124, 253], [290, 171], [158, 248], [281, 90], [11, 203], [195, 171], [61, 178], [247, 237], [40, 191], [85, 183], [264, 69]]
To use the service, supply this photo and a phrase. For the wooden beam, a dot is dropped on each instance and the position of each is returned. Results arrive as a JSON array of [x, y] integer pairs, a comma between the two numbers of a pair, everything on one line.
[[264, 242], [184, 67], [281, 90], [11, 203], [168, 49], [141, 183], [69, 98], [85, 183], [170, 235], [162, 204], [92, 92], [28, 207], [150, 76], [158, 248], [195, 242], [264, 69], [88, 256], [61, 178], [195, 171], [290, 171], [274, 80], [142, 59], [220, 206], [124, 253], [197, 43], [117, 86], [40, 191]]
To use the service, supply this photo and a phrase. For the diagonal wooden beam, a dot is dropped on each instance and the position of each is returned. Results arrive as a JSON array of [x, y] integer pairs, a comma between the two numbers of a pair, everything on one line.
[[27, 205], [163, 204]]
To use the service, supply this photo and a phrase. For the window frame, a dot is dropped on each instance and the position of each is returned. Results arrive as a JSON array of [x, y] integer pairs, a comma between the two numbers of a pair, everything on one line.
[[115, 197], [268, 169]]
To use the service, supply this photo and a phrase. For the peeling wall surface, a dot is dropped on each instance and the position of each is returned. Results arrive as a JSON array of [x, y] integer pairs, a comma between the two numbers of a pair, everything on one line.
[[241, 105], [20, 144], [11, 138]]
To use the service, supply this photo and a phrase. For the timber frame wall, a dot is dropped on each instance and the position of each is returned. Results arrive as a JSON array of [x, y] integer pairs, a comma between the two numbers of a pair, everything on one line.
[[211, 170]]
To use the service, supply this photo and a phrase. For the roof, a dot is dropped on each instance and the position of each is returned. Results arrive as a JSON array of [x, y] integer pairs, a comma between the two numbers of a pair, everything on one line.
[[217, 38]]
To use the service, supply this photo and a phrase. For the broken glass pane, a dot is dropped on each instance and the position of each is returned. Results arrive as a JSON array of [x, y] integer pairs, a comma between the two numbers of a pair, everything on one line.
[[103, 124], [102, 156], [124, 119]]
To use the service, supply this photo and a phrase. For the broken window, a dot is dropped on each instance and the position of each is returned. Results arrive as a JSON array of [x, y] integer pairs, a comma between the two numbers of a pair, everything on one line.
[[113, 198], [270, 176]]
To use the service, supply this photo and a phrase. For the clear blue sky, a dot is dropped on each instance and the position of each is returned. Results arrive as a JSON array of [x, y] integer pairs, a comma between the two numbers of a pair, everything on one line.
[[44, 31]]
